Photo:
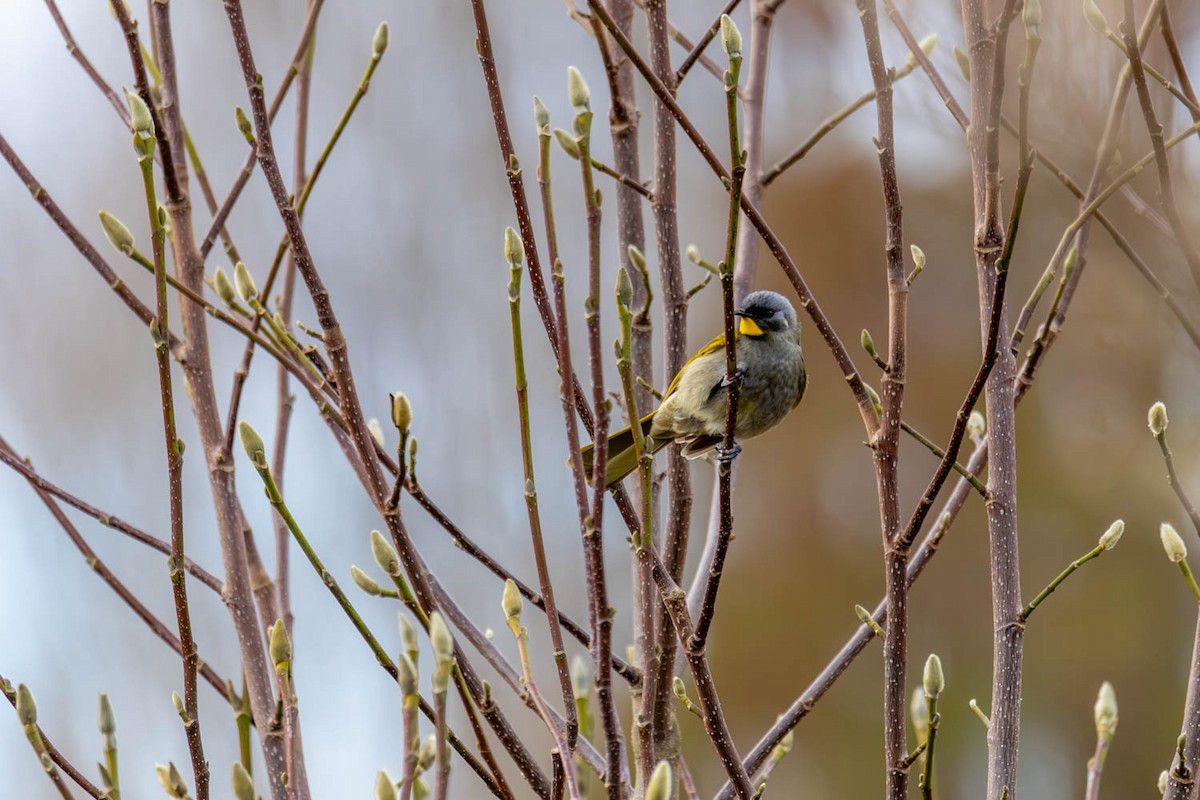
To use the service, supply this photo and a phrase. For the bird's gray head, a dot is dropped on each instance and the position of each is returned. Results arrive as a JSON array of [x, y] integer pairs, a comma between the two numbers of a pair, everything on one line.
[[765, 312]]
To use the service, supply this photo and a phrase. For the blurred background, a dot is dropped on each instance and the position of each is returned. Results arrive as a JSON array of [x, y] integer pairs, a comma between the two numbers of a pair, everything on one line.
[[406, 226]]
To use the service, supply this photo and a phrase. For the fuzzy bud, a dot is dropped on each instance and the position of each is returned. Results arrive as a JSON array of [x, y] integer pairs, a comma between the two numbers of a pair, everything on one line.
[[511, 602], [384, 788], [624, 288], [108, 722], [731, 37], [541, 115], [581, 676], [514, 251], [976, 425], [408, 635], [928, 44], [365, 582], [1094, 16], [224, 287], [875, 401], [246, 288], [385, 554], [693, 253], [1105, 712], [171, 780], [139, 113], [1070, 262], [26, 707], [918, 710], [244, 125], [116, 232], [427, 753], [1109, 539], [1158, 419], [281, 646], [964, 64], [1172, 543], [406, 675], [379, 43], [441, 638], [402, 414], [662, 782], [577, 91], [918, 256], [1032, 17], [177, 701], [243, 784], [868, 344], [934, 680], [376, 431], [1163, 779], [253, 443], [567, 142]]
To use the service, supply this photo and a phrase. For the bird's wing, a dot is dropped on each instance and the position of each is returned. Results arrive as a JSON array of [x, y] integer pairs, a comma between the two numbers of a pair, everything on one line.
[[717, 343]]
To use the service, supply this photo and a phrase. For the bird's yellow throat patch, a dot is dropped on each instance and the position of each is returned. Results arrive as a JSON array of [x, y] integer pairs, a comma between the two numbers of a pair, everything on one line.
[[748, 327]]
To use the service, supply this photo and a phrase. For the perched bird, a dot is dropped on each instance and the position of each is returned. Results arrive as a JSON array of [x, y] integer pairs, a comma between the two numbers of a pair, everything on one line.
[[692, 413]]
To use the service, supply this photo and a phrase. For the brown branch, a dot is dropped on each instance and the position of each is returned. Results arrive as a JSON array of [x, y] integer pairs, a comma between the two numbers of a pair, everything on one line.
[[697, 50], [55, 755]]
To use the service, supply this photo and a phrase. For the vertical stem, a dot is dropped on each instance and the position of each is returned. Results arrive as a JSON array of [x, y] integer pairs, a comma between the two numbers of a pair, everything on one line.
[[679, 491], [144, 144]]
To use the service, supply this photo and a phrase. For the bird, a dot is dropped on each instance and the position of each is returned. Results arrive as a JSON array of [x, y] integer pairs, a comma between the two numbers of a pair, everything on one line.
[[692, 412]]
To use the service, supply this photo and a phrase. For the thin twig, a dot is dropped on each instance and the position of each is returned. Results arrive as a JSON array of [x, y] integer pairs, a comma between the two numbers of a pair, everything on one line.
[[698, 49]]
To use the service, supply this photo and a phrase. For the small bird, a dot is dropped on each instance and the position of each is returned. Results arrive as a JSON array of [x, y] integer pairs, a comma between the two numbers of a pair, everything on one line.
[[692, 413]]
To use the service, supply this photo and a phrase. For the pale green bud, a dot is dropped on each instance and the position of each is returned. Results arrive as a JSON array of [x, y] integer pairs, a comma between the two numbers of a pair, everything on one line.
[[918, 710], [1105, 712], [440, 636], [406, 675], [385, 554], [253, 444], [976, 425], [402, 414], [577, 91], [427, 753], [964, 64], [1070, 262], [26, 707], [379, 43], [365, 582], [875, 401], [678, 688], [1158, 419], [224, 287], [661, 783], [1172, 543], [731, 37], [244, 125], [692, 253], [1109, 539], [1094, 16], [1163, 779], [116, 232], [928, 44], [541, 115], [384, 788], [244, 283], [918, 256], [567, 142], [281, 646], [511, 602], [1032, 17], [637, 258], [624, 288], [868, 343], [581, 676], [171, 780], [243, 784], [514, 251], [177, 701], [934, 680], [108, 721], [408, 635], [139, 113], [376, 430]]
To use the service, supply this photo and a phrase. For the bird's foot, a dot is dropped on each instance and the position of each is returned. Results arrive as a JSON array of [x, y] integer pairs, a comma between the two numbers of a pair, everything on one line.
[[726, 455], [739, 375]]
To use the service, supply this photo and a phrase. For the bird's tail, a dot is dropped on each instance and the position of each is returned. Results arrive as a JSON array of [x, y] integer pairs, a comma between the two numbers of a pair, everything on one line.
[[622, 454]]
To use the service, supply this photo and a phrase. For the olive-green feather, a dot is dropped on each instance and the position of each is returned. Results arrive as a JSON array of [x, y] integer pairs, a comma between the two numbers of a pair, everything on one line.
[[622, 454]]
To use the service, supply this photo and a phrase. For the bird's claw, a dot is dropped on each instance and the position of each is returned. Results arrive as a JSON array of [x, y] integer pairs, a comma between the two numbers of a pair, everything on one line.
[[726, 455], [739, 375]]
